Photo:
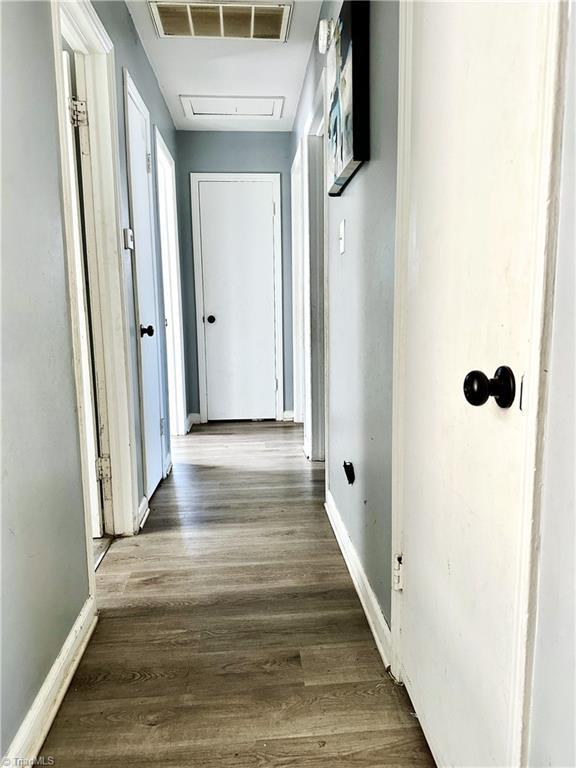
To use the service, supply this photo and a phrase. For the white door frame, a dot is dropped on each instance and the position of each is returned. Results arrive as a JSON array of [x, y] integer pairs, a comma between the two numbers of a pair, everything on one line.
[[195, 179], [79, 24], [131, 92], [171, 281], [534, 385], [297, 207]]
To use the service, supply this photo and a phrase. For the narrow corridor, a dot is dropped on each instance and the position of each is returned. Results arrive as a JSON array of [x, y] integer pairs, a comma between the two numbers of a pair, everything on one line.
[[230, 633]]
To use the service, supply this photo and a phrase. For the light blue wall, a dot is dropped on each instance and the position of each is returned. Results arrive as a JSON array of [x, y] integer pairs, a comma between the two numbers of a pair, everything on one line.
[[44, 568], [232, 152], [361, 308], [129, 53]]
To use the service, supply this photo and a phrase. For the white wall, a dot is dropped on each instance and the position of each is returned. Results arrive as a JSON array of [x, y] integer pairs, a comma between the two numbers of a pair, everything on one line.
[[44, 568], [360, 315], [553, 722]]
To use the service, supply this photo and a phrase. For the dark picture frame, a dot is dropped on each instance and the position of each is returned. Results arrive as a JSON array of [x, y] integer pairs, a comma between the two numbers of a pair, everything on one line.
[[348, 72]]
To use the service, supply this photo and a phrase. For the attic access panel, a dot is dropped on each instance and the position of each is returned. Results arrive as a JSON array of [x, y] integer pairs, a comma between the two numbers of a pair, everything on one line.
[[248, 21], [261, 107]]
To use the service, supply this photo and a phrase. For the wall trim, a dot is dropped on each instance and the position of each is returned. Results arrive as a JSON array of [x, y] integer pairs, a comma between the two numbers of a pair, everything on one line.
[[34, 728], [191, 419], [288, 416], [374, 615]]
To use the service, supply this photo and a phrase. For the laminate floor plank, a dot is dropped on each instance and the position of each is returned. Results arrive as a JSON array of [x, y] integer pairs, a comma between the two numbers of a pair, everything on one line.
[[230, 633]]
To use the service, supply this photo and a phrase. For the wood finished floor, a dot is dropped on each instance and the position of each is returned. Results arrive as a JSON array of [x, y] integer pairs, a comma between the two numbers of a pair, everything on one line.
[[230, 633]]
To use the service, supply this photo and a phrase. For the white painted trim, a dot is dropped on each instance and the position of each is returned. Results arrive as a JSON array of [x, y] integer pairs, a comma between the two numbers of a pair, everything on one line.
[[195, 179], [191, 419], [34, 728], [88, 35], [297, 191], [288, 416], [399, 334], [374, 615], [143, 512], [172, 284]]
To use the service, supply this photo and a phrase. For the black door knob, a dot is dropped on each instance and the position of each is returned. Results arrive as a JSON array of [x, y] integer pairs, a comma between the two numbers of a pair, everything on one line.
[[146, 330], [211, 319], [478, 387]]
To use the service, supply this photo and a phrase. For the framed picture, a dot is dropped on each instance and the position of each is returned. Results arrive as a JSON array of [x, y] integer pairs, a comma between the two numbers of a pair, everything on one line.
[[347, 71]]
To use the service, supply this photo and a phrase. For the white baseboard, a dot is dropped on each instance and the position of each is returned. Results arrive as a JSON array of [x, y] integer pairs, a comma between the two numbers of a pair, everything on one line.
[[192, 418], [288, 416], [376, 620], [34, 728]]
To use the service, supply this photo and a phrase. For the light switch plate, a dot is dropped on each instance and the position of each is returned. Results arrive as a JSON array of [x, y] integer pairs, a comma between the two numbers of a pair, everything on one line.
[[342, 237]]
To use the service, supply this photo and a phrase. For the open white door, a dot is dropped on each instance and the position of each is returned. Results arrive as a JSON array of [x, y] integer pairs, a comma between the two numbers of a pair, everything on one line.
[[144, 264], [168, 221], [479, 104]]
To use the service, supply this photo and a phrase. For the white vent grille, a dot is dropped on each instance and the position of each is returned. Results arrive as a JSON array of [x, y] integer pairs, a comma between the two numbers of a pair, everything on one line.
[[224, 20], [262, 107]]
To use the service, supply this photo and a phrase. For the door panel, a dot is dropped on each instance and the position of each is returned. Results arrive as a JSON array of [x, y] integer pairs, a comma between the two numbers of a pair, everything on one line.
[[472, 259], [138, 129], [237, 252]]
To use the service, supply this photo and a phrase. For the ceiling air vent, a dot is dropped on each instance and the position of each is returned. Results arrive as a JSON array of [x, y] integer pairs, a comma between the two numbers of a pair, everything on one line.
[[262, 107], [224, 20]]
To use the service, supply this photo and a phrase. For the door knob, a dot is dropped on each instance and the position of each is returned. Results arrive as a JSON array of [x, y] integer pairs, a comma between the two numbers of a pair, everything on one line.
[[211, 319], [146, 330], [478, 387]]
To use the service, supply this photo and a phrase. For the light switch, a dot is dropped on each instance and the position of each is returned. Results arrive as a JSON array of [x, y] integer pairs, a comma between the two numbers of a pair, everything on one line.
[[342, 238]]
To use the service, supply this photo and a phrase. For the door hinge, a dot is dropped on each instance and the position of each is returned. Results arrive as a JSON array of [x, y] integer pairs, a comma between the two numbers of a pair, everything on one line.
[[276, 385], [149, 162], [398, 574], [161, 425], [103, 468], [273, 208], [78, 113]]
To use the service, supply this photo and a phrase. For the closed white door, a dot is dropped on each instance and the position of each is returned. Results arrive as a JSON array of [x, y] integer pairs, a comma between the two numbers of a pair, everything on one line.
[[235, 246], [479, 95], [144, 265]]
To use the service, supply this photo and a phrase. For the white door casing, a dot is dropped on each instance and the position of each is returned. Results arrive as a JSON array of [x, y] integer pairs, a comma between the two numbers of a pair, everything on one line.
[[478, 106], [168, 221], [238, 275], [145, 278], [297, 207]]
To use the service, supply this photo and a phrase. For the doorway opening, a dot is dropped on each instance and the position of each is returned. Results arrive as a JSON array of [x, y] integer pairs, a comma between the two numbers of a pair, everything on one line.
[[88, 141], [309, 281]]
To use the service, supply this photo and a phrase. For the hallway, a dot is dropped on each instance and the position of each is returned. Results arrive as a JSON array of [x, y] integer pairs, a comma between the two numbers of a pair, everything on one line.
[[230, 633]]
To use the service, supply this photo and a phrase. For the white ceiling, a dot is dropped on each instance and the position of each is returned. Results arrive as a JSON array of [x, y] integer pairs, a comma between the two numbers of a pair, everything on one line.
[[204, 67]]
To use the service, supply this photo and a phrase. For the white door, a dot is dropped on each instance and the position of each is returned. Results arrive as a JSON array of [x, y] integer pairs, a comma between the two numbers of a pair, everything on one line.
[[235, 230], [93, 428], [477, 115], [168, 221], [144, 264]]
